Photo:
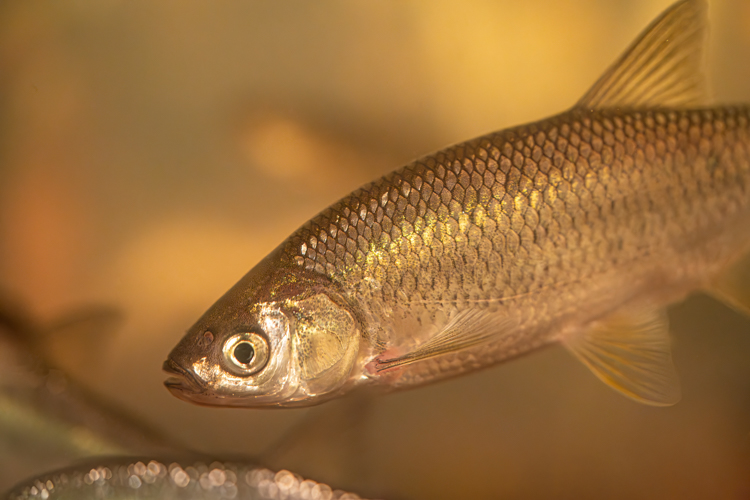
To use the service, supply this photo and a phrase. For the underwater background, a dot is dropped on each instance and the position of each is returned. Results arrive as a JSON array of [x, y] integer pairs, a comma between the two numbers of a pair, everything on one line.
[[152, 152]]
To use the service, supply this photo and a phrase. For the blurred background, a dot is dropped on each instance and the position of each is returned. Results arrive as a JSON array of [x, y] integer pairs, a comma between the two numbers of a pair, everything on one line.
[[151, 152]]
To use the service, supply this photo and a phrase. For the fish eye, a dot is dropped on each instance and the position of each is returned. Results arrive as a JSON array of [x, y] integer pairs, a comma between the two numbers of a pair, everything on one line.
[[246, 353]]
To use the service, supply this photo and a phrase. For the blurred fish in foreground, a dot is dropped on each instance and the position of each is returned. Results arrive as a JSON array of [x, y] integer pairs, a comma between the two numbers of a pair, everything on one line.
[[47, 419], [121, 479], [579, 229]]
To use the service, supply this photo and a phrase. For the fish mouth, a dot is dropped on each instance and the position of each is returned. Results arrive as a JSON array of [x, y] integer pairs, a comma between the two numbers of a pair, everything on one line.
[[183, 380]]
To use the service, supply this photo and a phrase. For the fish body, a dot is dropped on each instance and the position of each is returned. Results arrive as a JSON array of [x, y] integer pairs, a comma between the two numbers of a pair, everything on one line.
[[127, 478], [578, 229]]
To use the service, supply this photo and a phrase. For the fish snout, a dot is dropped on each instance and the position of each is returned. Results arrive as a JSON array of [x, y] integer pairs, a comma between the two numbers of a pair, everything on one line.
[[182, 379]]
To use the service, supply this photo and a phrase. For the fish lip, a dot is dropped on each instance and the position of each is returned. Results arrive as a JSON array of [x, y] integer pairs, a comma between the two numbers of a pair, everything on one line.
[[183, 380]]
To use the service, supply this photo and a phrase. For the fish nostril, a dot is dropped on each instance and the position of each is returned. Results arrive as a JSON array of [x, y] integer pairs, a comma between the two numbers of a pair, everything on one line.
[[206, 339]]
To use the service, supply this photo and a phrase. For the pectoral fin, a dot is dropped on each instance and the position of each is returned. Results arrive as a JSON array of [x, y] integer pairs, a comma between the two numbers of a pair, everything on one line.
[[466, 329], [631, 353], [733, 286]]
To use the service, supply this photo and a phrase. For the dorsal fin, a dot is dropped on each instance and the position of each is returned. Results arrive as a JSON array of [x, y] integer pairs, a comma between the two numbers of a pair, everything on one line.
[[662, 68], [79, 339]]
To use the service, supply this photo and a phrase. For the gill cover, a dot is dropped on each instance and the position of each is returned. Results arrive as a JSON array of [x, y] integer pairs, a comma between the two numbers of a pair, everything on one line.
[[325, 341]]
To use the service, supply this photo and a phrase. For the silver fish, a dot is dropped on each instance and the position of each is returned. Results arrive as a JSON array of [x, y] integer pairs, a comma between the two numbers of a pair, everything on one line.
[[47, 419], [578, 229], [126, 478]]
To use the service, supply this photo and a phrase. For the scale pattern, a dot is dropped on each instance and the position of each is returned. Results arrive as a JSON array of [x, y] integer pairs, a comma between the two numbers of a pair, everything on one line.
[[533, 207], [127, 478]]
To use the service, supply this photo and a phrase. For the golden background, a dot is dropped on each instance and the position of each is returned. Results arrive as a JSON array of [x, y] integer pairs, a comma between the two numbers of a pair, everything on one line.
[[151, 152]]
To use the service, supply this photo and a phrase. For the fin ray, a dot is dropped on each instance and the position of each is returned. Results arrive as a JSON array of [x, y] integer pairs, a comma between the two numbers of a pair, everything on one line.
[[80, 338], [631, 353], [466, 329], [733, 286], [663, 67]]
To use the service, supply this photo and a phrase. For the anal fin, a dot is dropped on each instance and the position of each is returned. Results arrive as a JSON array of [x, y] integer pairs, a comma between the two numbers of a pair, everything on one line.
[[467, 329], [630, 352], [733, 286]]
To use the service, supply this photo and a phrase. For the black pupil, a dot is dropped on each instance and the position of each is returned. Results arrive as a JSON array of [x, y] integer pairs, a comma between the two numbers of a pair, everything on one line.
[[244, 353]]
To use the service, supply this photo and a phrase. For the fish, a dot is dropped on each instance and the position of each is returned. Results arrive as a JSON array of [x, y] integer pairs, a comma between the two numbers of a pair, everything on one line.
[[158, 479], [579, 230], [47, 418]]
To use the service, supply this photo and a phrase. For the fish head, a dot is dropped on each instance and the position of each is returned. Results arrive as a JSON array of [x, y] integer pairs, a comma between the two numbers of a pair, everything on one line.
[[279, 337]]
